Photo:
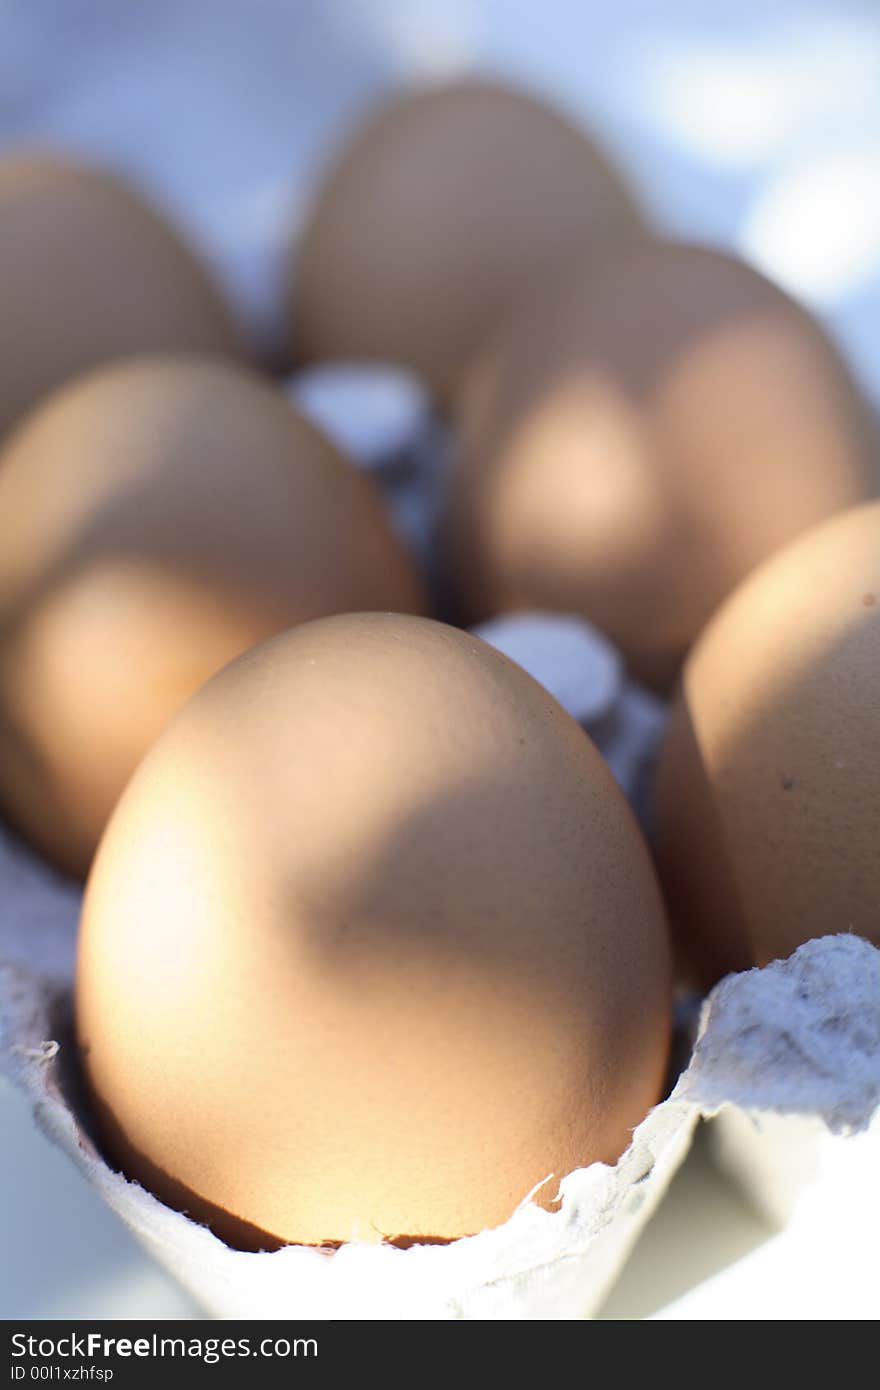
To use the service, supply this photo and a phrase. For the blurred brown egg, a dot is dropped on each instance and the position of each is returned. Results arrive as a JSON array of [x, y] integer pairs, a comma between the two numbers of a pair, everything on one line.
[[443, 210], [767, 805], [372, 946], [89, 272], [638, 439], [157, 518]]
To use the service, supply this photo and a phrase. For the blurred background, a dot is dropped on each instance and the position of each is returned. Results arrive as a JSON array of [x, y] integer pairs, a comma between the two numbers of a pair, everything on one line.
[[753, 125]]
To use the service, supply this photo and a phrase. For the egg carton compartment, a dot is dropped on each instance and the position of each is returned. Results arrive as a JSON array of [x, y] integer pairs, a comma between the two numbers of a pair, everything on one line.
[[532, 1266], [793, 1050], [787, 1057]]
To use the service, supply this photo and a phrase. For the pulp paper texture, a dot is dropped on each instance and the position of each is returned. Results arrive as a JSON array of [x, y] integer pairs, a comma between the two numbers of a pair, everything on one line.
[[796, 1044], [756, 1055], [539, 1264]]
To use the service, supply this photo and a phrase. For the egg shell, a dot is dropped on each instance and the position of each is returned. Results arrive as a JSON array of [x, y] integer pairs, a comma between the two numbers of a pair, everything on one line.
[[444, 208], [767, 801], [157, 518], [638, 438], [372, 946], [89, 272]]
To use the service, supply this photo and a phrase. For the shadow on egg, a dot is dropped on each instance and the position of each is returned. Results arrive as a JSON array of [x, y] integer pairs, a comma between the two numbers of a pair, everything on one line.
[[765, 804], [385, 944], [638, 439], [401, 960], [198, 515], [375, 945]]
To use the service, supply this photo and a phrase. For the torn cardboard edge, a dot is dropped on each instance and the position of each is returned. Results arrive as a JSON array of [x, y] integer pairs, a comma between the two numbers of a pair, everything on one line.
[[795, 1045]]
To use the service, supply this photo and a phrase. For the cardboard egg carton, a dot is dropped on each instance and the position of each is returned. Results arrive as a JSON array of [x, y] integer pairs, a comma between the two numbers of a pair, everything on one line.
[[787, 1057]]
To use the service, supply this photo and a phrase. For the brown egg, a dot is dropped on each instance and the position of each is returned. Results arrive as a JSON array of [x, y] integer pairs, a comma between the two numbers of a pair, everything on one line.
[[638, 439], [372, 945], [156, 519], [89, 272], [441, 212], [767, 807]]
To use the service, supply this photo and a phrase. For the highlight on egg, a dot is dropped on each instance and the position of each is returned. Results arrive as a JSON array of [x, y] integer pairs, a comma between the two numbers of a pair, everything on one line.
[[157, 518], [372, 946], [638, 438], [767, 799], [446, 206], [91, 272]]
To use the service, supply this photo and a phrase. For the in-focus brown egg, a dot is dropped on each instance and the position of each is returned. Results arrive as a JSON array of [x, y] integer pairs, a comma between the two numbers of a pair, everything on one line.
[[157, 518], [439, 215], [90, 272], [372, 945], [638, 439], [767, 803]]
